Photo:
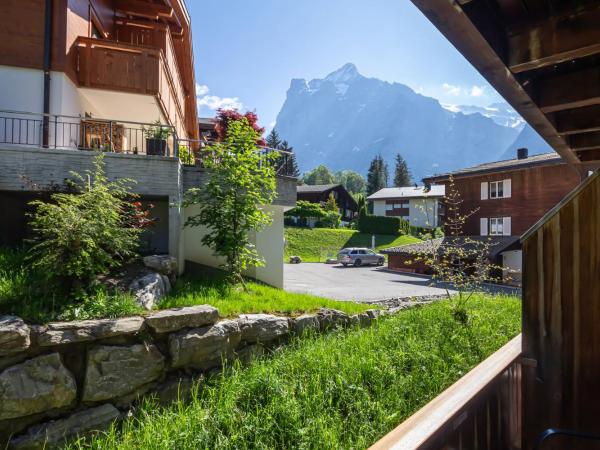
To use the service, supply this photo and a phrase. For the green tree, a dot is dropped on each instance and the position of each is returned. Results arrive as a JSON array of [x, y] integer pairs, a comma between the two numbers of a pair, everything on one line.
[[273, 140], [352, 181], [320, 175], [330, 204], [306, 210], [361, 201], [292, 164], [402, 175], [377, 178], [229, 204], [87, 233]]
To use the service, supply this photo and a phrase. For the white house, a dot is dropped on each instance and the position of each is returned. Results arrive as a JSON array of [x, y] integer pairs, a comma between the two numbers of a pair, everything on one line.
[[421, 206]]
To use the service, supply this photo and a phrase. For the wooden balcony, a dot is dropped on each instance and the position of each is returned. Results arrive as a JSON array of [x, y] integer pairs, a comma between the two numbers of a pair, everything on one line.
[[482, 410], [137, 69]]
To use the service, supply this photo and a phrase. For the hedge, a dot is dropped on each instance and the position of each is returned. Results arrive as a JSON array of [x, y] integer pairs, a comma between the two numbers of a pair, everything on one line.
[[368, 223]]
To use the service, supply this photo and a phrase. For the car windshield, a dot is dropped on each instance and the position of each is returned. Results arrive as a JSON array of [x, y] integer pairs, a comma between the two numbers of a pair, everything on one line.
[[344, 251]]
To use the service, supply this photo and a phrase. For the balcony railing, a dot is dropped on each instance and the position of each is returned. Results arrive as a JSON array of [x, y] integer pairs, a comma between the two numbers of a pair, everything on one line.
[[139, 69], [79, 133], [482, 410], [19, 128]]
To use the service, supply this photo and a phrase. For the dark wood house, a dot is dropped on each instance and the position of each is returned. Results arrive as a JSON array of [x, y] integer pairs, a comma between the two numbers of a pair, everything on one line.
[[319, 193], [508, 197]]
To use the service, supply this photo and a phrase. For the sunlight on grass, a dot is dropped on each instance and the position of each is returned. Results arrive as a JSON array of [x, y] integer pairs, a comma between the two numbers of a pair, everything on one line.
[[259, 298], [341, 390], [315, 245]]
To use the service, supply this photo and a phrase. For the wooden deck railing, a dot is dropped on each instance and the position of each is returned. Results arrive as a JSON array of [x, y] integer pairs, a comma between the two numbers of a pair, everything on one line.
[[139, 69], [482, 410]]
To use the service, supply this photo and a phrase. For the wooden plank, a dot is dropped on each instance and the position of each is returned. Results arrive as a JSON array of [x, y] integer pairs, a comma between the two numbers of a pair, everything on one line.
[[585, 141], [449, 405], [140, 8], [589, 155], [580, 120], [568, 91], [556, 40]]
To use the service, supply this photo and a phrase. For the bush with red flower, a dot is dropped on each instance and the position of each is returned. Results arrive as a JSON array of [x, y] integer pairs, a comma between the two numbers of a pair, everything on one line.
[[224, 116]]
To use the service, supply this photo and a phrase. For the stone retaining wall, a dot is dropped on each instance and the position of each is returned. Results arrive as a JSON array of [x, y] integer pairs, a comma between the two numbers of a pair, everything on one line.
[[69, 378]]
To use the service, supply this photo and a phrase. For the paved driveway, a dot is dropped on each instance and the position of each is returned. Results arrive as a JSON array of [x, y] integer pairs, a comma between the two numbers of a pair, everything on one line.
[[355, 283], [367, 283]]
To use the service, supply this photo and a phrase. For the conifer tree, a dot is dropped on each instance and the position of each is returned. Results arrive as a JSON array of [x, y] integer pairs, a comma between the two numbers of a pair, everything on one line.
[[402, 175], [273, 139], [377, 177]]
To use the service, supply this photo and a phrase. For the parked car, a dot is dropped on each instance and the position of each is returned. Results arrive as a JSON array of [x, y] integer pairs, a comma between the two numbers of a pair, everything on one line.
[[359, 256]]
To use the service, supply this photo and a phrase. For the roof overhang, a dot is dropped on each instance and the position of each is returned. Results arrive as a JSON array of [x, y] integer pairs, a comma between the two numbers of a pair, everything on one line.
[[542, 58]]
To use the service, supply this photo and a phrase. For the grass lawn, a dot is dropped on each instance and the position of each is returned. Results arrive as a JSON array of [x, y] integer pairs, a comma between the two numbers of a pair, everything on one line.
[[21, 295], [341, 390], [316, 245]]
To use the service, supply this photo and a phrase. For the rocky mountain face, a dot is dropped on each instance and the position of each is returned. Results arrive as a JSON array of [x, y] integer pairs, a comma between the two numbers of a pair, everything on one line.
[[345, 119]]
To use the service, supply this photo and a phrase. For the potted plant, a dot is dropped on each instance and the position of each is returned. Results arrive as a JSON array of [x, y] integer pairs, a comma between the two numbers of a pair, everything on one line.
[[156, 139]]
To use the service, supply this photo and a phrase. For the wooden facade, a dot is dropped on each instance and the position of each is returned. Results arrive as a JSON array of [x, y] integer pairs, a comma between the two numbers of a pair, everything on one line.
[[561, 320], [120, 45], [320, 194], [534, 191]]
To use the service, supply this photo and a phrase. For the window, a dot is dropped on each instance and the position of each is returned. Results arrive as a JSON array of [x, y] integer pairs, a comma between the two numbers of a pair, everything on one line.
[[405, 205], [496, 227], [389, 207], [497, 189]]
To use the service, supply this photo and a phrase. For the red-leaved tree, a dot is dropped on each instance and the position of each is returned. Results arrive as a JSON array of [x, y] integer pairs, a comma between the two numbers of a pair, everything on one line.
[[226, 115]]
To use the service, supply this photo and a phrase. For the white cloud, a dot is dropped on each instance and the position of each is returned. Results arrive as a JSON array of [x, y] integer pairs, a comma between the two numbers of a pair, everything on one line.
[[215, 102], [477, 91], [202, 89], [451, 89]]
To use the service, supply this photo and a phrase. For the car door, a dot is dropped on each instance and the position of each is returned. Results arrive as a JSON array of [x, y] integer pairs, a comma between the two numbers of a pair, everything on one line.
[[370, 257]]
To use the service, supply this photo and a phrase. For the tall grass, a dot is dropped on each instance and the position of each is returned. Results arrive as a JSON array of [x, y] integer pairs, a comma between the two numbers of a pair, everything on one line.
[[342, 390], [24, 292]]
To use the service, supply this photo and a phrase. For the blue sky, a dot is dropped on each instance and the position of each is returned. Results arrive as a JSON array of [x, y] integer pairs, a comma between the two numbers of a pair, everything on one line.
[[247, 51]]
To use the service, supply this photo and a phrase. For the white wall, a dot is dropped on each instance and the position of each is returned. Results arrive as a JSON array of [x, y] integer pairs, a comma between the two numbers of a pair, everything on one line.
[[379, 207], [269, 244], [424, 212], [513, 260]]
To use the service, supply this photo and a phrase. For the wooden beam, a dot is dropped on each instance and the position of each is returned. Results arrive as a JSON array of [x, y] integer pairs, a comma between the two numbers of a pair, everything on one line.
[[585, 141], [589, 156], [143, 9], [568, 91], [580, 120], [450, 19], [556, 40]]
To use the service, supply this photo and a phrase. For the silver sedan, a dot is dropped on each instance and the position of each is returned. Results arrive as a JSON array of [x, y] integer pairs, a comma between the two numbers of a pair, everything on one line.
[[359, 256]]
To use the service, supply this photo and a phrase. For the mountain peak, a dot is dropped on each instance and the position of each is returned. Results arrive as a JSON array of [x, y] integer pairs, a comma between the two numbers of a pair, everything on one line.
[[347, 72]]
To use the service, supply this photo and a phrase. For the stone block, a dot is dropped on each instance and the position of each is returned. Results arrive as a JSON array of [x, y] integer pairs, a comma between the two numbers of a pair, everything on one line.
[[34, 386], [14, 335], [119, 371], [59, 333], [176, 319], [262, 327]]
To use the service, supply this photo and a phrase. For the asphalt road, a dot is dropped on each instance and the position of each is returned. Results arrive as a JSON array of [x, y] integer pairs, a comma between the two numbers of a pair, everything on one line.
[[367, 283], [355, 283]]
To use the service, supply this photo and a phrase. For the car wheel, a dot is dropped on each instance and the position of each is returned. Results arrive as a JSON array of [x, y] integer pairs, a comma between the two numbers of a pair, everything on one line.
[[381, 262], [345, 264], [357, 263]]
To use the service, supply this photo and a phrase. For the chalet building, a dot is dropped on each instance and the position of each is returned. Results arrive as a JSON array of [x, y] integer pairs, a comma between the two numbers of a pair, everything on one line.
[[420, 206], [117, 76], [540, 390], [508, 197], [320, 194]]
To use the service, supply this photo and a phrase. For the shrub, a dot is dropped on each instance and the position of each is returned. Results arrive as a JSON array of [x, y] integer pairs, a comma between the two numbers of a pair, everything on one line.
[[331, 219], [186, 155], [79, 236], [368, 223]]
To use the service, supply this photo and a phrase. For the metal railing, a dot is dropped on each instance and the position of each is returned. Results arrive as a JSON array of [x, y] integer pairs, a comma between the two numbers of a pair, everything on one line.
[[193, 152], [86, 133], [557, 432], [55, 131]]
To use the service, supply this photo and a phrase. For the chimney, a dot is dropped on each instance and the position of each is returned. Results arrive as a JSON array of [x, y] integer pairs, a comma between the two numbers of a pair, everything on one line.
[[522, 153]]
